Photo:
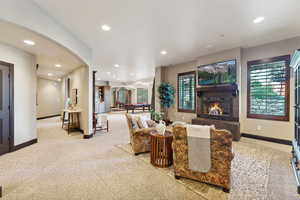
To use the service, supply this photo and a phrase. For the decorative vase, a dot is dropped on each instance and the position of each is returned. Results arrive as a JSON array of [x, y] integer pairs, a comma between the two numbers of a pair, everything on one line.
[[161, 127]]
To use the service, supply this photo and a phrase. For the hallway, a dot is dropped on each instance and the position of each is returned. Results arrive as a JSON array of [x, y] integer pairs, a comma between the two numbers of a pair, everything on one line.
[[67, 167]]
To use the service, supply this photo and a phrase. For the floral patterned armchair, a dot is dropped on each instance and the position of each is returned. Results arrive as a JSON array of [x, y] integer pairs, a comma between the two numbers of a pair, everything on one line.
[[221, 156], [139, 136]]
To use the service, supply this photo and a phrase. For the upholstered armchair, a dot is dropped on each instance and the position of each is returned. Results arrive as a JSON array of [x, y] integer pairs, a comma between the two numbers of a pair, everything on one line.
[[139, 136], [221, 156]]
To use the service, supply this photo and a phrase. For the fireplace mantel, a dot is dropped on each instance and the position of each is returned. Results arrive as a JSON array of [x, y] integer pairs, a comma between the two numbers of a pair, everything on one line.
[[218, 88]]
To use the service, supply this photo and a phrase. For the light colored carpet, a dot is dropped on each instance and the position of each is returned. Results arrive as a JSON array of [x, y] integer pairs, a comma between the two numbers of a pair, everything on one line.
[[258, 172], [62, 166]]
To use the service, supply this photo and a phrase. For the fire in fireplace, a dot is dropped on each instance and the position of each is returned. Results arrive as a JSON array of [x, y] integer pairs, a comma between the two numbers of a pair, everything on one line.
[[215, 109]]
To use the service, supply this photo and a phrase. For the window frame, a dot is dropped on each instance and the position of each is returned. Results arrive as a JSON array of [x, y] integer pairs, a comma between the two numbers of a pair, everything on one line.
[[186, 110], [285, 58]]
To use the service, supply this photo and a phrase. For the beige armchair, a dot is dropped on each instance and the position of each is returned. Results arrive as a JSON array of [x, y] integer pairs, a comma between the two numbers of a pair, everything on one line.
[[139, 136], [221, 156]]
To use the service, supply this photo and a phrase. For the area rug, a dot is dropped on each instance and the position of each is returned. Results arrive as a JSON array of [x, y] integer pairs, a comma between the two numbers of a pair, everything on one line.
[[253, 170]]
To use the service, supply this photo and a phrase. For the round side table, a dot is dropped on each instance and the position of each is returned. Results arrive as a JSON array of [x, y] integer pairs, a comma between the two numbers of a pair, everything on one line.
[[161, 149]]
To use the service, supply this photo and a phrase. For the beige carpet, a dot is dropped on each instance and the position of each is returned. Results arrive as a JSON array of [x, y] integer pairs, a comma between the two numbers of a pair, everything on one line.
[[62, 166], [258, 172], [67, 167]]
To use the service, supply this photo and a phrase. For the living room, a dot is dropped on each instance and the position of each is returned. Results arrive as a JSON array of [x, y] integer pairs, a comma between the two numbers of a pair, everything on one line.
[[246, 91], [149, 100]]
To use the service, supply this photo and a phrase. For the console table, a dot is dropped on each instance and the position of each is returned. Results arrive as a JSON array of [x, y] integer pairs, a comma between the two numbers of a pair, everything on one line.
[[73, 121]]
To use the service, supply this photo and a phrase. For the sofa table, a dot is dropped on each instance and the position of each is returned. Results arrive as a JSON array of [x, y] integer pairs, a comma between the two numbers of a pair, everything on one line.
[[161, 149], [73, 121]]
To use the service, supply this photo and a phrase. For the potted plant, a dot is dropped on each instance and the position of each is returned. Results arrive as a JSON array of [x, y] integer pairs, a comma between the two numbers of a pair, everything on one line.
[[155, 116], [166, 95]]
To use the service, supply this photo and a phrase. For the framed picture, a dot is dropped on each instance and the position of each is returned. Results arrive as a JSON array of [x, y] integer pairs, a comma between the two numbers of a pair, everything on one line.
[[74, 96]]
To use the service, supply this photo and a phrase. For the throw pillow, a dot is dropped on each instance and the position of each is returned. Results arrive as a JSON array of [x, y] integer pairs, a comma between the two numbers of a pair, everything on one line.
[[144, 120], [151, 123], [134, 123], [139, 122]]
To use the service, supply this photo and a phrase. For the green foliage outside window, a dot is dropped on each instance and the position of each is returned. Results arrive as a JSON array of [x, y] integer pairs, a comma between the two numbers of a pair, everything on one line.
[[186, 92], [267, 89]]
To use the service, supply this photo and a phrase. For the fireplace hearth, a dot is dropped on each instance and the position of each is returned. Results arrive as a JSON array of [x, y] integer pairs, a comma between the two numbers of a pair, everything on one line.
[[219, 106]]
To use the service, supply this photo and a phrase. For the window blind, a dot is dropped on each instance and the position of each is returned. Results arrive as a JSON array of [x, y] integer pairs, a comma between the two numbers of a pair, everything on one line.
[[186, 91], [268, 88]]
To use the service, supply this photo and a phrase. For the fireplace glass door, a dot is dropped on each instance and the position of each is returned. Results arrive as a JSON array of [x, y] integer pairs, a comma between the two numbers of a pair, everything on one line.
[[216, 106]]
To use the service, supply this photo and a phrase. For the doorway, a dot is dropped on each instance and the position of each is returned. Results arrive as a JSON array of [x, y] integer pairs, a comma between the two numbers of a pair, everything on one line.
[[6, 107]]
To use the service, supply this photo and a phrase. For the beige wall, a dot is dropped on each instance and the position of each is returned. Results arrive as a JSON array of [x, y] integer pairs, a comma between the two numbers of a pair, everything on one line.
[[79, 80], [49, 100], [172, 71], [24, 92], [275, 129], [268, 128]]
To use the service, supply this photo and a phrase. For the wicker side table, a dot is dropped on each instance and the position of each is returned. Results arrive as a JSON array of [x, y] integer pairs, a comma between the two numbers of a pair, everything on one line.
[[161, 149]]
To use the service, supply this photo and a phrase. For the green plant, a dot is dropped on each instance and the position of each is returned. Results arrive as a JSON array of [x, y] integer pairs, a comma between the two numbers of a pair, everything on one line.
[[156, 116], [166, 96]]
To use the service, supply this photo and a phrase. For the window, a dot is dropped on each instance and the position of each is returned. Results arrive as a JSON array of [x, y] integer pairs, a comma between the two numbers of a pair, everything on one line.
[[122, 95], [142, 96], [268, 88], [186, 91]]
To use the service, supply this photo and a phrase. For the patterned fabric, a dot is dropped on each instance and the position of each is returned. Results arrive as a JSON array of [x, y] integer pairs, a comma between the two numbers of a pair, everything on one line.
[[221, 155], [139, 122], [134, 123], [140, 137], [151, 123]]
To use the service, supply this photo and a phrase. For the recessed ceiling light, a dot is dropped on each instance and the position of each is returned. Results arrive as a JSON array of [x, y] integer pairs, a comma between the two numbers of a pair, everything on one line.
[[108, 73], [59, 79], [258, 20], [58, 65], [116, 65], [50, 74], [29, 42], [163, 52], [98, 79], [105, 27]]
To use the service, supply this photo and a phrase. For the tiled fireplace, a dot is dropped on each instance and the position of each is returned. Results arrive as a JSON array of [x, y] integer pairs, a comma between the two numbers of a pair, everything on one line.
[[219, 105]]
